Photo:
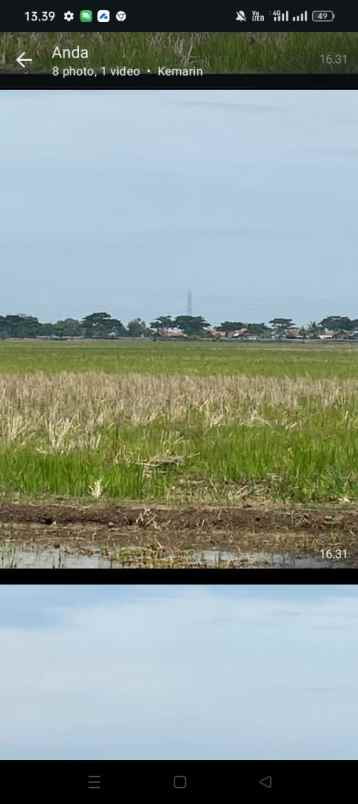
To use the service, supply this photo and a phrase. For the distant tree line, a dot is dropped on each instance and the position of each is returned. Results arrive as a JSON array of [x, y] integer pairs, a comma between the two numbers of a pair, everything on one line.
[[102, 325], [96, 325]]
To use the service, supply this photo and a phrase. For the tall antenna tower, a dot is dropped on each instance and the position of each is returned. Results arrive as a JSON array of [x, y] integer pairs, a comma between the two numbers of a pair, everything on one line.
[[189, 307]]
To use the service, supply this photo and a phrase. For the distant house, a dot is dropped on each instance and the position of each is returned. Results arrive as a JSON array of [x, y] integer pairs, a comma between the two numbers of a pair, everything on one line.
[[327, 335], [171, 332], [47, 338], [341, 335], [293, 332], [216, 333], [240, 333]]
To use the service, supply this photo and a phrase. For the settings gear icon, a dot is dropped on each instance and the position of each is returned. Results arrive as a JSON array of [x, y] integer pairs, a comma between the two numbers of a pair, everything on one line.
[[68, 16]]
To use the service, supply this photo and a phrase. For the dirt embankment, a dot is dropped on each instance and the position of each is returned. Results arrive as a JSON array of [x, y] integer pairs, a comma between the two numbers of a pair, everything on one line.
[[209, 518], [129, 533]]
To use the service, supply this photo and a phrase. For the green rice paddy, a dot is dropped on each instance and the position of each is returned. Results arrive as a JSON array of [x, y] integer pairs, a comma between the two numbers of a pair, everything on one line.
[[178, 422]]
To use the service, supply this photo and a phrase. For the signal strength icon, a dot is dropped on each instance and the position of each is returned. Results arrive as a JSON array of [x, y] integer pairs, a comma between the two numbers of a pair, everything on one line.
[[303, 17], [281, 16]]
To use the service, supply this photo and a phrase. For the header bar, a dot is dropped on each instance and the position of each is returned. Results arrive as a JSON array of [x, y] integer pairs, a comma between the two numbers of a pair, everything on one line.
[[135, 16]]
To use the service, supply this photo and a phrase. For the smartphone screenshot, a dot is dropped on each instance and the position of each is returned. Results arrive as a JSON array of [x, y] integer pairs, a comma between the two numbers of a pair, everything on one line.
[[178, 396]]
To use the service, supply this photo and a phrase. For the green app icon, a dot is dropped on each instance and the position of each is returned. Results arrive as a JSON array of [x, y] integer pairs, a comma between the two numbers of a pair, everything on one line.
[[86, 15]]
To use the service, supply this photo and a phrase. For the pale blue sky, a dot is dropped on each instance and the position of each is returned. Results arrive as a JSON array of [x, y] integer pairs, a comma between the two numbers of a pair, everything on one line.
[[120, 201], [161, 672]]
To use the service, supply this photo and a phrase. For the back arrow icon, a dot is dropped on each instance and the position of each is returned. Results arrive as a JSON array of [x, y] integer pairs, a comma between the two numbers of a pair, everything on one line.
[[21, 59], [266, 782]]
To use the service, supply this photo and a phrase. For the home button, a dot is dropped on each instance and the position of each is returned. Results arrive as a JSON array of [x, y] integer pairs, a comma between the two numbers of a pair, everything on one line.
[[180, 782]]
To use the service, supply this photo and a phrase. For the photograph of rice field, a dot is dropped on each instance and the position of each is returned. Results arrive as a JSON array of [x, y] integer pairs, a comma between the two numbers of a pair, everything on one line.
[[161, 448]]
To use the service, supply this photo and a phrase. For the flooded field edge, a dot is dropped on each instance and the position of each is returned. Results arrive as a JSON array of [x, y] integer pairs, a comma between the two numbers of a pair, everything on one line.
[[59, 535]]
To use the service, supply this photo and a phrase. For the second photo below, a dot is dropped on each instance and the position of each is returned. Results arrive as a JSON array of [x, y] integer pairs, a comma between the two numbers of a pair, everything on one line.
[[179, 329]]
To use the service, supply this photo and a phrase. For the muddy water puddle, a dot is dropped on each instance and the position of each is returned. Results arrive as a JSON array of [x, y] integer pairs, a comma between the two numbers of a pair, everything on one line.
[[214, 558], [93, 545], [16, 556]]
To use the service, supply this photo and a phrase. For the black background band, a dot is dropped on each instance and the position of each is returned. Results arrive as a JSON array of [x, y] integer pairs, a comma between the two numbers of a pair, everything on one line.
[[119, 781]]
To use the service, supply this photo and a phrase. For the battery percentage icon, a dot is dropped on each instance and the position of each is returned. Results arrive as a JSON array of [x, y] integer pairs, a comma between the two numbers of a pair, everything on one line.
[[323, 16]]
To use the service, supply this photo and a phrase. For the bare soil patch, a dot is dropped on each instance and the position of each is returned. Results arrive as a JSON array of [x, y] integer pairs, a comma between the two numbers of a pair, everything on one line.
[[206, 519]]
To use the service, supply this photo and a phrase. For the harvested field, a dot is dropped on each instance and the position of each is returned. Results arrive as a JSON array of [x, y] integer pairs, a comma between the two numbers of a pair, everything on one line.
[[179, 438], [212, 444]]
